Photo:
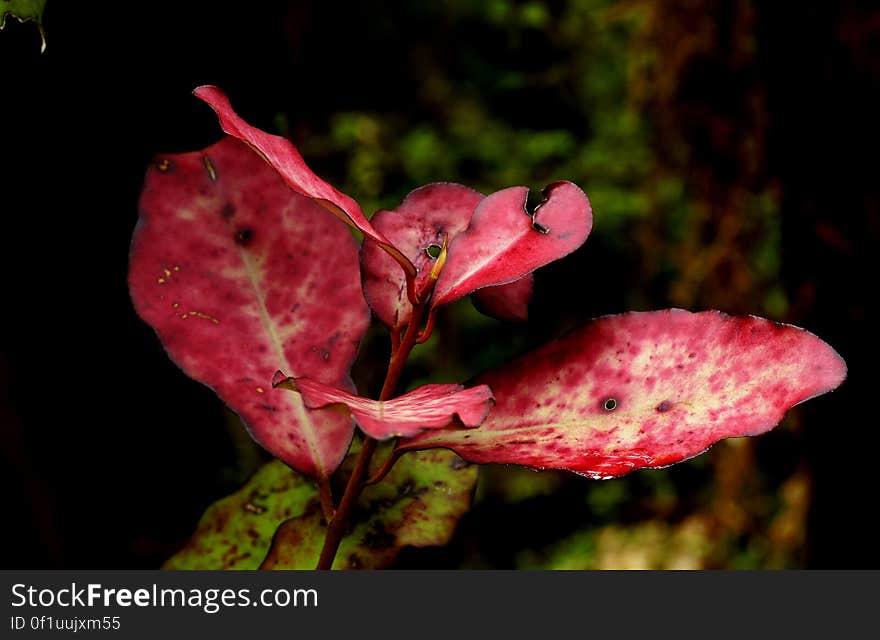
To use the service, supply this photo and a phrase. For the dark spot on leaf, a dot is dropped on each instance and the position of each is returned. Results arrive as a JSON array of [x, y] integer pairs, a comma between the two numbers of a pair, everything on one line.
[[407, 487], [692, 355], [378, 504], [325, 355], [609, 404], [222, 520], [227, 211], [269, 408], [459, 463], [244, 236], [378, 537], [664, 406]]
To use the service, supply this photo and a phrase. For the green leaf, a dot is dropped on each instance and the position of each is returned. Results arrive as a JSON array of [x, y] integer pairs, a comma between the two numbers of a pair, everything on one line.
[[418, 504], [235, 532], [24, 11]]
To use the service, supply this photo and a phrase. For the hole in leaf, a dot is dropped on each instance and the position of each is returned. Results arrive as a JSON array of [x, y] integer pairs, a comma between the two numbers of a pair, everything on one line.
[[433, 251], [610, 404], [534, 199]]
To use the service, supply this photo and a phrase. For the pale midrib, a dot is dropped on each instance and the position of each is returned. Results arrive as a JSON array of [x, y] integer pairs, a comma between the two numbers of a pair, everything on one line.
[[479, 266], [494, 433], [269, 326]]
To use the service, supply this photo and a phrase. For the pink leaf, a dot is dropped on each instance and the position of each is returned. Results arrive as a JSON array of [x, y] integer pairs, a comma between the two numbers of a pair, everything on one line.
[[644, 390], [425, 219], [507, 301], [420, 224], [504, 243], [287, 161], [239, 276], [429, 407]]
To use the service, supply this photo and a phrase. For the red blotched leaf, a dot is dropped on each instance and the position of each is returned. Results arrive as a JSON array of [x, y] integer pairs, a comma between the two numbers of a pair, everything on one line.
[[431, 406], [239, 276], [504, 243], [287, 161], [644, 390], [428, 217]]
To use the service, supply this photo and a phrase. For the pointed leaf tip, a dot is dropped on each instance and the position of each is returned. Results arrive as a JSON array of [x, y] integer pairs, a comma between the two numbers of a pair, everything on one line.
[[429, 407], [644, 389], [284, 158]]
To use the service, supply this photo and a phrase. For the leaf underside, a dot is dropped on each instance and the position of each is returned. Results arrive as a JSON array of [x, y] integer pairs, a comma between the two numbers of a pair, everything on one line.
[[278, 513], [643, 389], [240, 276], [506, 301]]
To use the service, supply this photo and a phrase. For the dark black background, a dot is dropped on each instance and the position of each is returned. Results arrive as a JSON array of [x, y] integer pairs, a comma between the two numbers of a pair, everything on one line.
[[109, 453]]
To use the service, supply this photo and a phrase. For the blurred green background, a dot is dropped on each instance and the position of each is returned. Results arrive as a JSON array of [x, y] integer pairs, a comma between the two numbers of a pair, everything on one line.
[[727, 146]]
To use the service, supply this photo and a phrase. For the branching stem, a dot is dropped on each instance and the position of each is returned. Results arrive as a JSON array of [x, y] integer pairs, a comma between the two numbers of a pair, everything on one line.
[[336, 528], [386, 467]]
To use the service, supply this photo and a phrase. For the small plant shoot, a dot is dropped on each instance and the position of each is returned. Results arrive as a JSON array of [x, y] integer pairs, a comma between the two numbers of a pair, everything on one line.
[[244, 263]]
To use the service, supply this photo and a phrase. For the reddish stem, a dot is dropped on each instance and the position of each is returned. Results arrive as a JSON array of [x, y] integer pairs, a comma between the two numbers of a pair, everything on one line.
[[386, 467], [336, 528]]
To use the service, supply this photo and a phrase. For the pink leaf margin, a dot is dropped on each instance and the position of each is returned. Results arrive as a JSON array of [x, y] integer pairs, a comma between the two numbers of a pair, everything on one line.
[[430, 406], [284, 157], [680, 382]]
